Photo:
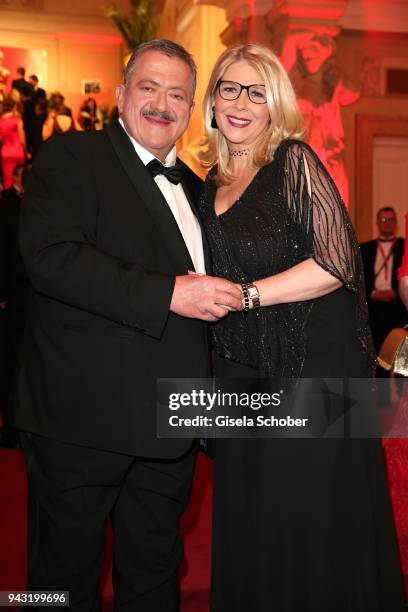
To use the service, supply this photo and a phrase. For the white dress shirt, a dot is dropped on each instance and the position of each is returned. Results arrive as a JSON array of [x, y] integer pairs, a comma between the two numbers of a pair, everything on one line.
[[383, 279], [176, 199]]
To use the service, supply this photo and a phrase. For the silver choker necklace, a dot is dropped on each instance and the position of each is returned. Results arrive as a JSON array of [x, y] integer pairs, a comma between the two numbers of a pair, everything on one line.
[[238, 152]]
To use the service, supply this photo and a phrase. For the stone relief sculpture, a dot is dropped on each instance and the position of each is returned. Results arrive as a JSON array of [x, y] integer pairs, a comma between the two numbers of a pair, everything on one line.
[[322, 90], [4, 75], [370, 76]]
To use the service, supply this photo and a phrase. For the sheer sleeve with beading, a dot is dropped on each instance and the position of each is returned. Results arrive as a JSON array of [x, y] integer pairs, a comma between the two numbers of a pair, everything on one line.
[[315, 203]]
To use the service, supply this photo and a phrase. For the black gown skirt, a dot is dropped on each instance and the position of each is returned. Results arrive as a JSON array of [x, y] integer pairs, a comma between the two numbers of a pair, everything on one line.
[[305, 525]]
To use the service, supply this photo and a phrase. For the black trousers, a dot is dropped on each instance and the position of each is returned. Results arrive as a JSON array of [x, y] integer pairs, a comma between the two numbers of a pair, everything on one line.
[[73, 491]]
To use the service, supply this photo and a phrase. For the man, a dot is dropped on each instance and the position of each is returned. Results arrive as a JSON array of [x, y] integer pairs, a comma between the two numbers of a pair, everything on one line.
[[38, 92], [34, 134], [14, 292], [109, 249], [381, 258], [34, 115], [26, 91], [24, 88]]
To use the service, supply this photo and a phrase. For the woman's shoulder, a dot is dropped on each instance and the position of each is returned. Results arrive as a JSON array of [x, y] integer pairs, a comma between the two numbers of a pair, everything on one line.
[[15, 120], [9, 122], [296, 154], [295, 147], [289, 151]]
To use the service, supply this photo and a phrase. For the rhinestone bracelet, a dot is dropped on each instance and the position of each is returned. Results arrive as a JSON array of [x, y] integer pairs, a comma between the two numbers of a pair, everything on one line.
[[245, 297]]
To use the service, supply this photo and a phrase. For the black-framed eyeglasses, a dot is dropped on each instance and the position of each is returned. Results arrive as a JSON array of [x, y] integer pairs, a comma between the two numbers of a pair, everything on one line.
[[231, 90]]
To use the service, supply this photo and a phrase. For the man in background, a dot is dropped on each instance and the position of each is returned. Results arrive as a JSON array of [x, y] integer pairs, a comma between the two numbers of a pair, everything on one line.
[[381, 258], [24, 88], [38, 92], [34, 116]]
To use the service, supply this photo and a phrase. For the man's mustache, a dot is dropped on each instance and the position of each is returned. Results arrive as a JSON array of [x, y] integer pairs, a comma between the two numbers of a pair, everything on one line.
[[157, 113]]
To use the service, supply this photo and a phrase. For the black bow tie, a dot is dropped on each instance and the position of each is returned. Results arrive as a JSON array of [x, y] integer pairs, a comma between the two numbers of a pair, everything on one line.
[[386, 239], [174, 173]]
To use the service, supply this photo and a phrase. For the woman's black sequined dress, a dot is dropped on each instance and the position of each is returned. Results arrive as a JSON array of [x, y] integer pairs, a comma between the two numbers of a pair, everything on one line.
[[299, 525]]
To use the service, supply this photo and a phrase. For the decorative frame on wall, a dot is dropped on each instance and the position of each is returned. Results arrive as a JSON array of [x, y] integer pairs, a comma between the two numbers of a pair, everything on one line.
[[91, 86], [367, 128]]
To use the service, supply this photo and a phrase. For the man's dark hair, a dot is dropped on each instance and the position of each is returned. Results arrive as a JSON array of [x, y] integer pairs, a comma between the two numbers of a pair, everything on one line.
[[33, 77], [385, 209], [21, 70], [169, 48]]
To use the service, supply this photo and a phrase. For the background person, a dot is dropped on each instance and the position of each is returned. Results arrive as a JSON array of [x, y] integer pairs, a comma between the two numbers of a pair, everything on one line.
[[12, 137], [38, 92], [87, 114], [57, 122], [35, 134], [381, 258], [20, 84]]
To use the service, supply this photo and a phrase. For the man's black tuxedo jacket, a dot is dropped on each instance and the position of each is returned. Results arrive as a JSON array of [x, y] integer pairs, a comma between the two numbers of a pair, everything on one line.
[[369, 252], [23, 87], [383, 315], [102, 249]]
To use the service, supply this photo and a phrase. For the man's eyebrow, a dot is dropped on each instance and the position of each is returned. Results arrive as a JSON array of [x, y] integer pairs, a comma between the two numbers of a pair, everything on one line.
[[157, 84], [152, 81]]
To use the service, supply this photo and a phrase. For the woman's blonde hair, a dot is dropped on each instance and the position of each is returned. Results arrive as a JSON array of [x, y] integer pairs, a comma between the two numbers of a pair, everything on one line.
[[285, 118]]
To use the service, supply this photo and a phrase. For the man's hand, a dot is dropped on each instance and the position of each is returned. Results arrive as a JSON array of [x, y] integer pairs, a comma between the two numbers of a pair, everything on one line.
[[387, 295], [205, 297]]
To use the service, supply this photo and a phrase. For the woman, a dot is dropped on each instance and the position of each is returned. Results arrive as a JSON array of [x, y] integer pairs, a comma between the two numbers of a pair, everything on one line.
[[298, 524], [12, 139], [57, 122]]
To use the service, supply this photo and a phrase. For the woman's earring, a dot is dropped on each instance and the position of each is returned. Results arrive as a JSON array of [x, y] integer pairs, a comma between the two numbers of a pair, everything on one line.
[[213, 120]]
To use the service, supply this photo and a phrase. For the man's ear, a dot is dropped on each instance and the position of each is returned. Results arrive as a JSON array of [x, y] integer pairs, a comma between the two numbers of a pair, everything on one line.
[[120, 97], [192, 107]]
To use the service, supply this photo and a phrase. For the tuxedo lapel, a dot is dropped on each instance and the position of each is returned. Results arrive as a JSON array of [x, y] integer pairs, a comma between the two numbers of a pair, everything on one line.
[[373, 253], [193, 205], [151, 196]]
